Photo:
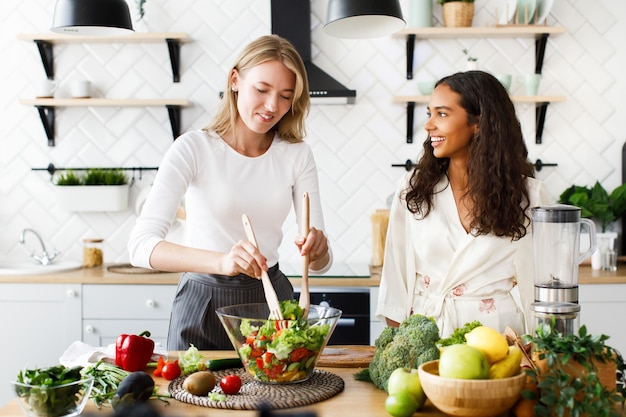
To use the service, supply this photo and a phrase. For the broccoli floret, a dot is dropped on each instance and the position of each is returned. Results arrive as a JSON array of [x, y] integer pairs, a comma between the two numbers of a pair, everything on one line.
[[408, 346]]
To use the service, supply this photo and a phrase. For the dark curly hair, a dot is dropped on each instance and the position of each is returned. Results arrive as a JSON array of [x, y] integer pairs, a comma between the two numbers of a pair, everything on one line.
[[498, 164]]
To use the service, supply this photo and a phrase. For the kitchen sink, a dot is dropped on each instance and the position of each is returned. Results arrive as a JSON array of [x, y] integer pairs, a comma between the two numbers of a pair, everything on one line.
[[30, 268]]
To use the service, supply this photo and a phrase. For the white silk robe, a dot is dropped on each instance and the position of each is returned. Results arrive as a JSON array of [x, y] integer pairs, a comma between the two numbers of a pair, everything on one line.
[[433, 267]]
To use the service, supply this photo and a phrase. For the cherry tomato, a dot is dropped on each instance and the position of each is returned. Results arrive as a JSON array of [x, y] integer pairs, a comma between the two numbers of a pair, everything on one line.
[[171, 370], [230, 384], [160, 364]]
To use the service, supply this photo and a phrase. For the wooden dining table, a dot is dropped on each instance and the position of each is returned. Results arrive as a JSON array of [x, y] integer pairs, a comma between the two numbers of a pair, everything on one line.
[[357, 398]]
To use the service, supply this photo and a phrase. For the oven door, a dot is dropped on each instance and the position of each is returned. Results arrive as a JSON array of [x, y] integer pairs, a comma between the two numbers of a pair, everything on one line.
[[353, 328]]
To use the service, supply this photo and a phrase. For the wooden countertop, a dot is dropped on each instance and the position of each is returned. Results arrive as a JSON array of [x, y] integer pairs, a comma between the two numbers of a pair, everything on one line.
[[357, 399], [101, 275]]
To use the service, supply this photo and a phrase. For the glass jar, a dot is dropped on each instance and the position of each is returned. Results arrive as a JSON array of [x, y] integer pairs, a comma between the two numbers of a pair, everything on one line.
[[565, 316], [92, 252]]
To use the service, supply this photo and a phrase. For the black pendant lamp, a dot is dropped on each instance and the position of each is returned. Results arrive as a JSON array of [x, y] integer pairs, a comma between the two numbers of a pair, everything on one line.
[[92, 17], [362, 19]]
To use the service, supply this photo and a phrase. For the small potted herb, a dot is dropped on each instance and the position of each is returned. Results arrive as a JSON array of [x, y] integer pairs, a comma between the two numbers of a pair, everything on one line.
[[575, 374], [98, 190]]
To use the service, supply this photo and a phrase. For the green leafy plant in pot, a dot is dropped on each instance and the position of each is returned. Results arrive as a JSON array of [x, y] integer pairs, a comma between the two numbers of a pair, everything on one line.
[[94, 176], [576, 374], [596, 203]]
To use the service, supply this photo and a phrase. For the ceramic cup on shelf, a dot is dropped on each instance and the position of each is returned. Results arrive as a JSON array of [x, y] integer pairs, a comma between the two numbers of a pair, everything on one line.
[[80, 89], [505, 80], [530, 83], [46, 88]]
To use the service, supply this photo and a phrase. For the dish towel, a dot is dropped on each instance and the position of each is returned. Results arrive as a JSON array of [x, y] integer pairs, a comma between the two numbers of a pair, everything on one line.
[[82, 354]]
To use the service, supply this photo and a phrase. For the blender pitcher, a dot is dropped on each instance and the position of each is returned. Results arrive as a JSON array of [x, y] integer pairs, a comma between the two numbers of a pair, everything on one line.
[[556, 249]]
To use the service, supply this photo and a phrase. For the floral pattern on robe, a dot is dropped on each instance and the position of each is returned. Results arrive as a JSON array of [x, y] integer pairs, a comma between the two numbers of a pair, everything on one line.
[[456, 276]]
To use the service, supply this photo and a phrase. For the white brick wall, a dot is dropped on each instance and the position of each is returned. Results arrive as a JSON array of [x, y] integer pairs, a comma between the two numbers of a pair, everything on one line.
[[354, 144]]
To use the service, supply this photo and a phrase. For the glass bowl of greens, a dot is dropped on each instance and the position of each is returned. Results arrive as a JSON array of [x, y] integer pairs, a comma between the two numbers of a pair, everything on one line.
[[56, 391], [279, 351]]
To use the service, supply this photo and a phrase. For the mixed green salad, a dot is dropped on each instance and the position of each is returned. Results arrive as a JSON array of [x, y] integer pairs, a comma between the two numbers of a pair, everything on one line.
[[282, 351], [50, 392]]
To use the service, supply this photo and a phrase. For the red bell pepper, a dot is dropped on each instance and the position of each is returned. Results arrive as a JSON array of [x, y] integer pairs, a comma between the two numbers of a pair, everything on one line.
[[133, 352]]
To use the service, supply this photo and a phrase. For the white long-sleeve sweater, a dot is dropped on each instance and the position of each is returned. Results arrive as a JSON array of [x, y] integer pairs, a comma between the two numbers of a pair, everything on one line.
[[219, 185]]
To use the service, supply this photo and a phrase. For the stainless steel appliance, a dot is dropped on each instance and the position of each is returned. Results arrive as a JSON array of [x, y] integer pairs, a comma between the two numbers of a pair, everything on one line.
[[556, 251], [353, 328]]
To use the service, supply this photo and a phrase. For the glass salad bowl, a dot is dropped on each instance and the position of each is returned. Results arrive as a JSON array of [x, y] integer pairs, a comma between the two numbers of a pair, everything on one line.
[[278, 351], [53, 401]]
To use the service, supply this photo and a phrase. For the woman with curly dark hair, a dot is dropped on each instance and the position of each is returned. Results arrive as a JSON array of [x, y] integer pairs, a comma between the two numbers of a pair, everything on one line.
[[459, 237]]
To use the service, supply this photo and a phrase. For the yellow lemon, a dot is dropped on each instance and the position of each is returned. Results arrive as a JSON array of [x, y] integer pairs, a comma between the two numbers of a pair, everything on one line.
[[490, 341], [509, 366]]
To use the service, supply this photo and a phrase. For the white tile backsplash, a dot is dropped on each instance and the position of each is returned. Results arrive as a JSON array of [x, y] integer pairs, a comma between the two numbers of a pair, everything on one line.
[[354, 145]]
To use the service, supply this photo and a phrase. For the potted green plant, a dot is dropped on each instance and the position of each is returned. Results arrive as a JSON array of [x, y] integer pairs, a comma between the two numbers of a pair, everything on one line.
[[457, 13], [596, 203], [98, 190], [575, 374]]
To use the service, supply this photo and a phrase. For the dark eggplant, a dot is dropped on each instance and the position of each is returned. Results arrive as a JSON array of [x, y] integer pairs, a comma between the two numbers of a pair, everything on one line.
[[137, 387]]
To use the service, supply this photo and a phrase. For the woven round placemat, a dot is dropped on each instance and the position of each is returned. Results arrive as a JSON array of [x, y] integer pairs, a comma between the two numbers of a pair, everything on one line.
[[130, 269], [255, 395]]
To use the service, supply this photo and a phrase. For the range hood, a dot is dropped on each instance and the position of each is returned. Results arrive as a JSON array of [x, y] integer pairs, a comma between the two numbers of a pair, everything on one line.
[[291, 19]]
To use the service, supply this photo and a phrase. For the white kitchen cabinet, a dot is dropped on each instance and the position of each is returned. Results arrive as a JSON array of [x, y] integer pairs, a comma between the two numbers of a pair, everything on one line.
[[110, 310], [602, 307], [38, 322]]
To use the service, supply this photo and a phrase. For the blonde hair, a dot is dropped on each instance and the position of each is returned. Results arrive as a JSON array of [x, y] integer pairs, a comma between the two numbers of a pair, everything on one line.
[[264, 49]]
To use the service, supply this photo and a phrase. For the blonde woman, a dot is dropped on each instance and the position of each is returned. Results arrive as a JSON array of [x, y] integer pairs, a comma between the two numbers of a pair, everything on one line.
[[251, 159]]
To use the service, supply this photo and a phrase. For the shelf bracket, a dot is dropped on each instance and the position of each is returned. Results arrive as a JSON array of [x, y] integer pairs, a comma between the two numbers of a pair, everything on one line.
[[540, 50], [173, 47], [540, 118], [47, 57], [410, 111], [410, 52], [174, 113], [47, 119]]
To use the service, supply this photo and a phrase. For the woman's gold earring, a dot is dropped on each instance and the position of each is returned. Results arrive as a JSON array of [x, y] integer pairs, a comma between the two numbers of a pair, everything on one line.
[[233, 89]]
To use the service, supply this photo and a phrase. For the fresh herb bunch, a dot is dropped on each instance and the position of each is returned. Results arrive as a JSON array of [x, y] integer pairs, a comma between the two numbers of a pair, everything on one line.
[[560, 391], [107, 378], [99, 176], [94, 176], [69, 178], [40, 395]]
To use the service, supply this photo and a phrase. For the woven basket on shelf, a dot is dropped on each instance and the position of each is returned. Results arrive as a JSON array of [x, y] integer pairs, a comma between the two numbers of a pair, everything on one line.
[[458, 14]]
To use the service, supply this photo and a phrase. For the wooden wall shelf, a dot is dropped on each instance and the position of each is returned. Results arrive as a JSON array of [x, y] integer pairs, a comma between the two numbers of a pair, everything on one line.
[[539, 32], [46, 108], [45, 41]]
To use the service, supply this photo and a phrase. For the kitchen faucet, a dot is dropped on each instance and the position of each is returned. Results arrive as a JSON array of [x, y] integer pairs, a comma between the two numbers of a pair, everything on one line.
[[44, 259]]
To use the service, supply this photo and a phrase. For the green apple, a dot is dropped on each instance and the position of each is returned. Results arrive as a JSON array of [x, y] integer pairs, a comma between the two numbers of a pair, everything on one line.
[[406, 380], [463, 362], [402, 404]]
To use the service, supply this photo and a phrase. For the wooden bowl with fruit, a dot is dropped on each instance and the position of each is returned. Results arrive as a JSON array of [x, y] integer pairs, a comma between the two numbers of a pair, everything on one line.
[[482, 378], [470, 397]]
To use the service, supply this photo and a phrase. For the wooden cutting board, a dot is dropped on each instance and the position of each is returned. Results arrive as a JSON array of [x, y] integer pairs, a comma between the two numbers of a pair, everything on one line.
[[346, 356]]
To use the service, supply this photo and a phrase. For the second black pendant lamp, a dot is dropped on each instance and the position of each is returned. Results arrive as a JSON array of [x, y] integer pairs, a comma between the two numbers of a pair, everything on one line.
[[361, 19], [92, 17]]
